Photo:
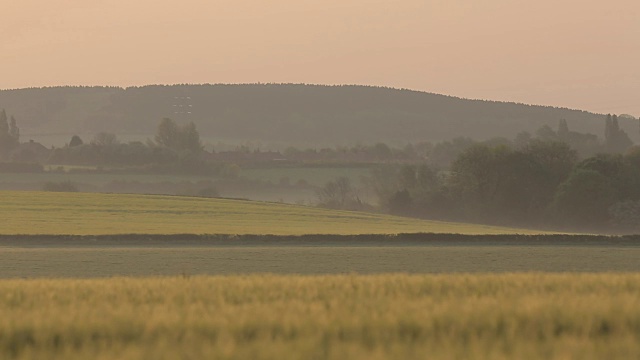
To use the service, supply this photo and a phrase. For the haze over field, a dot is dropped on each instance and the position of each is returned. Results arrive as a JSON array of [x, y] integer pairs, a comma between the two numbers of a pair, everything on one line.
[[576, 54], [234, 169]]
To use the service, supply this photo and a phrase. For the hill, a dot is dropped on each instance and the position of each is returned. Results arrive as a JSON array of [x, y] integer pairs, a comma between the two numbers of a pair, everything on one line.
[[97, 214], [282, 114]]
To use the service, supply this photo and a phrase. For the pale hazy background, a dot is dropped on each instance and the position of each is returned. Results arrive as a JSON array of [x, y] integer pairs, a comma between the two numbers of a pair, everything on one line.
[[572, 53]]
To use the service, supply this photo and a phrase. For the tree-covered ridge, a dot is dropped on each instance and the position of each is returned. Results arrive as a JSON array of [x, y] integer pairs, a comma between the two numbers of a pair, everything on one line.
[[287, 113]]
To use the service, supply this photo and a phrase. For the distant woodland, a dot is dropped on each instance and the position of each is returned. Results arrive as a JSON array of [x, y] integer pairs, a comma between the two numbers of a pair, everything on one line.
[[557, 175], [286, 115]]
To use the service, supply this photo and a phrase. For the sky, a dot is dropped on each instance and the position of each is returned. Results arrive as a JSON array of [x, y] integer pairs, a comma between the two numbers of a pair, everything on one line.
[[582, 54]]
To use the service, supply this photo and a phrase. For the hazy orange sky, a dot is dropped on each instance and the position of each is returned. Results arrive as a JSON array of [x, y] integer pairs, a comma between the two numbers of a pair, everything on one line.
[[572, 53]]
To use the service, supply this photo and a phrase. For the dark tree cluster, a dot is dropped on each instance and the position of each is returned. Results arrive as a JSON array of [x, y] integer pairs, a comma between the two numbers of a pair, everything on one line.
[[541, 184], [176, 148]]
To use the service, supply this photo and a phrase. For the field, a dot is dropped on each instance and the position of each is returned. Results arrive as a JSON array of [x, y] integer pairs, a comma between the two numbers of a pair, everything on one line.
[[317, 176], [522, 316], [95, 214], [102, 276], [263, 183], [91, 257]]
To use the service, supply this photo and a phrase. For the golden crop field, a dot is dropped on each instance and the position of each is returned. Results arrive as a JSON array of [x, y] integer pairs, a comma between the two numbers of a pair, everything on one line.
[[97, 214], [510, 316]]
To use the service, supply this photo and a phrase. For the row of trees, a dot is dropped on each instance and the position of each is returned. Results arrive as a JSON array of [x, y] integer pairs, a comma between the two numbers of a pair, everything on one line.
[[441, 155], [175, 143], [175, 148]]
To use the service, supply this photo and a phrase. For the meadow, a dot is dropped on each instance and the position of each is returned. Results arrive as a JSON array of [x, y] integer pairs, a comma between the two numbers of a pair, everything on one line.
[[317, 176], [95, 214], [92, 258], [392, 316]]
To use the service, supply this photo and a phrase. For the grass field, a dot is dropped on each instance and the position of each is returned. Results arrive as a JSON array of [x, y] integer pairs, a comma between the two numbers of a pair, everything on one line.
[[317, 176], [95, 214], [511, 316], [90, 259]]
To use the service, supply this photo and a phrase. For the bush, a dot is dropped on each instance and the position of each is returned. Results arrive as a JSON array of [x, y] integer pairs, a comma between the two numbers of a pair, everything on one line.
[[65, 186]]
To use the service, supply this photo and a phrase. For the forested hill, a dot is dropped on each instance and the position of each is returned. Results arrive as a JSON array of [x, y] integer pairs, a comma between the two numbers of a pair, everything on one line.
[[284, 114]]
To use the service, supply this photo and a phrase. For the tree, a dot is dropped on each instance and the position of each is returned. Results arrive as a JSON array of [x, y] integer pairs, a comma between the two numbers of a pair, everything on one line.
[[75, 141], [616, 140], [173, 137], [401, 203], [522, 139], [608, 129], [503, 185], [556, 158], [104, 139], [14, 131], [190, 138], [9, 134], [444, 153], [546, 133], [584, 199], [339, 194], [563, 129], [4, 125], [168, 134]]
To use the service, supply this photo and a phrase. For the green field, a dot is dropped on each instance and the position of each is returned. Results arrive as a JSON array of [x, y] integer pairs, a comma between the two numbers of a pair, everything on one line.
[[175, 295], [511, 316], [317, 176], [94, 214], [47, 261]]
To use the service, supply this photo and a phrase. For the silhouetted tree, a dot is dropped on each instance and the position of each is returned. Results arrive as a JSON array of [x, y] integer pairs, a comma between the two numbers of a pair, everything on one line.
[[173, 137], [14, 131], [401, 203], [563, 129], [584, 199], [339, 194], [105, 139], [75, 141], [168, 134], [190, 138], [616, 139], [9, 134]]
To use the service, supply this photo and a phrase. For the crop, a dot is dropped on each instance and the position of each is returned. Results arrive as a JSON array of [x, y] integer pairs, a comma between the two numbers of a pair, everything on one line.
[[510, 316], [95, 214]]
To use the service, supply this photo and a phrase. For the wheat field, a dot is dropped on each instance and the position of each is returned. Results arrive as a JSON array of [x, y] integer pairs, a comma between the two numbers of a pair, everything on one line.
[[395, 316], [37, 213]]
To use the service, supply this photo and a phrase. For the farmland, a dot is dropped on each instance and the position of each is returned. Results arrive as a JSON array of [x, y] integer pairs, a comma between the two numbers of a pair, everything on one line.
[[283, 184], [114, 276], [317, 176], [516, 316], [95, 214], [85, 259]]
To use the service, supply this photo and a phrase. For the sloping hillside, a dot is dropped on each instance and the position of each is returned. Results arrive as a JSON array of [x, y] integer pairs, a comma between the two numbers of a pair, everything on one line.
[[284, 114], [96, 214]]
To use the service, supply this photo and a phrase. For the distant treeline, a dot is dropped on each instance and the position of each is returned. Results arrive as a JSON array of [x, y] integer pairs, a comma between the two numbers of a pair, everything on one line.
[[286, 114], [541, 184], [178, 149], [559, 178]]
